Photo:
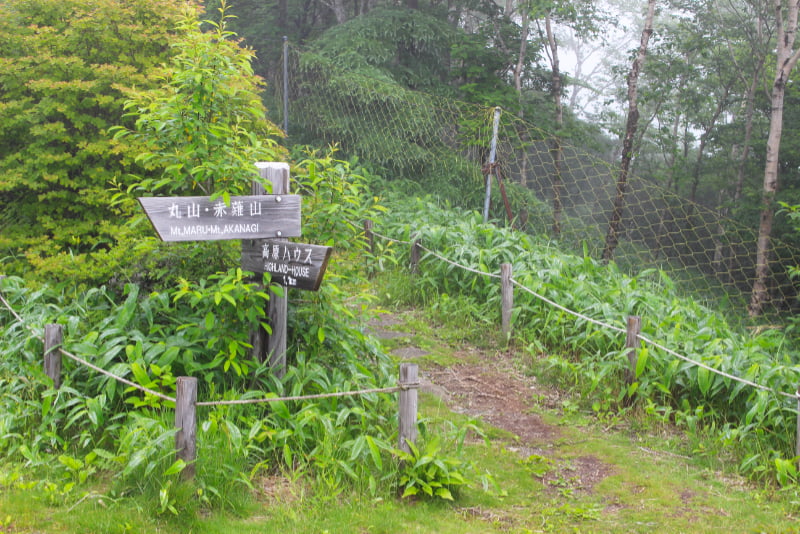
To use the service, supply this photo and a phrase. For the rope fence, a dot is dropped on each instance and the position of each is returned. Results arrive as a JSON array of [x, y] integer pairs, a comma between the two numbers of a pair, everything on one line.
[[408, 383], [395, 389], [597, 322], [186, 393]]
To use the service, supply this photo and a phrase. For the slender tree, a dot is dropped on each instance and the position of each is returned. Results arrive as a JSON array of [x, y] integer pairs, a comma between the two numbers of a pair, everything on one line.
[[615, 221], [785, 12]]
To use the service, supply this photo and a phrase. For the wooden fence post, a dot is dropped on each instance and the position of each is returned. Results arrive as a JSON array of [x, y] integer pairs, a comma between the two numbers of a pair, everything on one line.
[[409, 380], [186, 423], [797, 435], [507, 297], [370, 237], [632, 343], [415, 255], [273, 346], [53, 338]]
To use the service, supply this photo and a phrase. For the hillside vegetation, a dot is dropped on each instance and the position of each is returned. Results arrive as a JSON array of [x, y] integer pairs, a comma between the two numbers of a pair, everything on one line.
[[98, 453]]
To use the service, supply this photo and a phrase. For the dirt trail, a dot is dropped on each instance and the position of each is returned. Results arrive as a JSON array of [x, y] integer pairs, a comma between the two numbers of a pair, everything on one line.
[[496, 392]]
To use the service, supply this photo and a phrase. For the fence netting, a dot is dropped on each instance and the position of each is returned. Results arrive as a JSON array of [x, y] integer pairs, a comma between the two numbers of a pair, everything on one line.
[[554, 188]]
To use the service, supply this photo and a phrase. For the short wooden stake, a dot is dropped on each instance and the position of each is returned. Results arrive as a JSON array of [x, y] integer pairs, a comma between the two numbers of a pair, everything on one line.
[[53, 338], [409, 381], [632, 344], [370, 237], [507, 297], [797, 435], [186, 423], [415, 248]]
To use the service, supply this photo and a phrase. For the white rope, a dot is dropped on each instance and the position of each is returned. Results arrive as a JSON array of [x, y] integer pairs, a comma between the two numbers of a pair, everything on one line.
[[118, 378], [451, 262], [716, 371], [394, 389], [606, 325], [567, 310], [87, 364], [10, 308], [387, 238], [398, 388]]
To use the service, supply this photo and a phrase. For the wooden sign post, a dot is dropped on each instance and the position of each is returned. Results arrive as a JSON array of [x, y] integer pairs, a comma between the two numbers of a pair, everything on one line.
[[263, 222]]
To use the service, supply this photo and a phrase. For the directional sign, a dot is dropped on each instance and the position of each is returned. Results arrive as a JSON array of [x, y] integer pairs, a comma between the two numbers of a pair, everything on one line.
[[290, 264], [201, 219]]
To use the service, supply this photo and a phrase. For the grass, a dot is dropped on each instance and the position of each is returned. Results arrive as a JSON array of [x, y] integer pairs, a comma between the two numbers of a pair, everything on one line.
[[597, 474]]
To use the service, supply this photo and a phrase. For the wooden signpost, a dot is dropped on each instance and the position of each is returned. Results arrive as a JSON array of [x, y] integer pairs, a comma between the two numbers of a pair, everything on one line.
[[263, 222]]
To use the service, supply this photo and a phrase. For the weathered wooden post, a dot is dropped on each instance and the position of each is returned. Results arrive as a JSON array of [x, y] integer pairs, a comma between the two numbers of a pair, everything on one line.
[[633, 330], [507, 298], [53, 338], [409, 382], [186, 423], [278, 175], [415, 248], [797, 434], [370, 237]]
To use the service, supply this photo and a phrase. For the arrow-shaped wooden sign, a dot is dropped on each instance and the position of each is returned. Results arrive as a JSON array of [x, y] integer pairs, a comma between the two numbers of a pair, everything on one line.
[[297, 265], [201, 219]]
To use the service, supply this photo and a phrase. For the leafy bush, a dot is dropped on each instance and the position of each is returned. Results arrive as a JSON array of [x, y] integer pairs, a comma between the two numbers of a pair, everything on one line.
[[64, 68]]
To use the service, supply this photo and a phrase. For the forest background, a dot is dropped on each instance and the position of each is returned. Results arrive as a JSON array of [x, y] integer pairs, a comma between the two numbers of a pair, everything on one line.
[[392, 84]]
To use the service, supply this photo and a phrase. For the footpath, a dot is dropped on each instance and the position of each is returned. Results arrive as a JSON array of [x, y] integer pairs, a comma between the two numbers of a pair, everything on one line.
[[566, 469]]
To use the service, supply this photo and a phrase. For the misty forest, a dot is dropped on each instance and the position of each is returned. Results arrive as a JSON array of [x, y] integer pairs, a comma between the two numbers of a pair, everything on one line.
[[626, 158]]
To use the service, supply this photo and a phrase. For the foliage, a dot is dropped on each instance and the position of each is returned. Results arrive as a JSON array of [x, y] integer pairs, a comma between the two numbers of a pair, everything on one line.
[[755, 426], [407, 46], [336, 199], [200, 132], [205, 127], [94, 425], [200, 330], [425, 472], [64, 68]]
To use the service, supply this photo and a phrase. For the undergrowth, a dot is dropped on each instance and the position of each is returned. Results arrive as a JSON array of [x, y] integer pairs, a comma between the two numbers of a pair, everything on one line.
[[721, 417], [94, 430]]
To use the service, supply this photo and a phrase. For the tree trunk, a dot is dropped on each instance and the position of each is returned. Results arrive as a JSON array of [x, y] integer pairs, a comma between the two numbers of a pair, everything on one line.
[[709, 127], [523, 48], [556, 150], [339, 9], [615, 221], [786, 60]]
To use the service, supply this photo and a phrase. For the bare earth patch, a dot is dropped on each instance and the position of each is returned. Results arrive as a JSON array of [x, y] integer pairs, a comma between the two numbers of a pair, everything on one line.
[[489, 386]]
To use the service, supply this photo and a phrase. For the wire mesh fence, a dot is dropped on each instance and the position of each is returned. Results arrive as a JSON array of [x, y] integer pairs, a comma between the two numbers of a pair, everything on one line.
[[555, 188]]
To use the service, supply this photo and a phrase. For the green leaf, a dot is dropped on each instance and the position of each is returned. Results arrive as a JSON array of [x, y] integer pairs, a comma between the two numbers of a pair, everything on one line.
[[375, 452], [410, 491], [444, 493], [641, 362], [175, 468], [704, 380], [71, 463]]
